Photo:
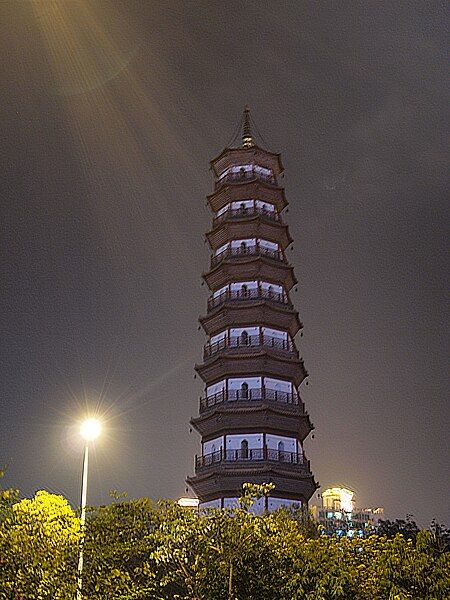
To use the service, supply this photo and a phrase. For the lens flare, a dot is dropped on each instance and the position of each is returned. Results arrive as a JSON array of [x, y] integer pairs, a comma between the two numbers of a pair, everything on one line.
[[91, 429]]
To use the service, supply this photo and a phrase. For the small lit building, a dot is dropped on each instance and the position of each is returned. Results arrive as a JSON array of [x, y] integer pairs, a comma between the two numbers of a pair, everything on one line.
[[338, 514], [191, 503]]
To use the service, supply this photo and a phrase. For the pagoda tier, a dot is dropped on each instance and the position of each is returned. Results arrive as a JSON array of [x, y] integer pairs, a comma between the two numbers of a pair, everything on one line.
[[248, 223], [256, 264], [220, 415], [253, 155], [258, 360], [236, 311], [229, 192], [251, 417]]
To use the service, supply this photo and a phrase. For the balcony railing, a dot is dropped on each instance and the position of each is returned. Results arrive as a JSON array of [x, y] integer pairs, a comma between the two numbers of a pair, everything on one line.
[[249, 455], [258, 293], [244, 176], [249, 341], [243, 212], [244, 251], [251, 395]]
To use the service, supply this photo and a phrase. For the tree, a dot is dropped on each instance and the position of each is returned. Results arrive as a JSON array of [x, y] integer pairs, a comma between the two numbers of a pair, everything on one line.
[[38, 549], [407, 527], [119, 543], [441, 537], [138, 550], [8, 497]]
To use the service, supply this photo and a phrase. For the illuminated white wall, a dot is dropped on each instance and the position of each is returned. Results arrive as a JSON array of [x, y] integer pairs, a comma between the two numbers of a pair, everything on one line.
[[247, 168], [289, 444], [276, 333], [278, 289], [267, 244], [220, 292], [212, 446], [237, 331], [254, 440], [215, 388], [252, 331], [259, 507], [246, 241], [237, 205], [230, 503], [221, 249], [265, 205], [276, 503], [211, 504], [242, 204], [237, 287], [236, 383], [218, 337], [278, 384]]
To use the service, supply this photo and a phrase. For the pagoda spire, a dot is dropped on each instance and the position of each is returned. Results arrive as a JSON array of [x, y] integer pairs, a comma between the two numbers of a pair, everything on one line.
[[247, 139]]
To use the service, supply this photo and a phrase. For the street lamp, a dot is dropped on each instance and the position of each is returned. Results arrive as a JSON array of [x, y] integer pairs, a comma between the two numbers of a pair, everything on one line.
[[90, 430]]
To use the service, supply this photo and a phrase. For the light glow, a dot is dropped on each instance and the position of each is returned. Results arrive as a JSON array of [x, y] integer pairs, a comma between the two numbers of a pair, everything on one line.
[[338, 498], [90, 429]]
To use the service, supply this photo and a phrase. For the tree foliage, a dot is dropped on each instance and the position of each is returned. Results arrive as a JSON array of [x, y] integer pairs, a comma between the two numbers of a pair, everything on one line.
[[38, 548], [139, 550], [406, 527]]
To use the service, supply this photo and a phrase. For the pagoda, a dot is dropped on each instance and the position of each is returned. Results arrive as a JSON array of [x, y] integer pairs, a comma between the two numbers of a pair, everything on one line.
[[251, 419]]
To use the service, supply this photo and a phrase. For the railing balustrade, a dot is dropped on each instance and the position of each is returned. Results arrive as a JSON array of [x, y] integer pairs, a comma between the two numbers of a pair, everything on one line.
[[250, 454], [243, 212], [241, 176], [249, 294], [249, 395], [249, 341], [243, 251]]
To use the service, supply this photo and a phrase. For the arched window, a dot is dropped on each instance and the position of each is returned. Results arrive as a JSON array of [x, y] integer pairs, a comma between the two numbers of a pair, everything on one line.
[[244, 449], [242, 208], [270, 291], [244, 390], [244, 290], [244, 339], [243, 248], [281, 454]]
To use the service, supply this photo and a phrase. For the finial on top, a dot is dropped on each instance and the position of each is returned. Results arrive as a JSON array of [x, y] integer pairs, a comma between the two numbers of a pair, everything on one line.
[[247, 140]]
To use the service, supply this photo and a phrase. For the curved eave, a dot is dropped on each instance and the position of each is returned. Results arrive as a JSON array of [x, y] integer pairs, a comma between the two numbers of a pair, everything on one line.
[[246, 151], [251, 406], [222, 481], [252, 416], [256, 264], [265, 361], [267, 314]]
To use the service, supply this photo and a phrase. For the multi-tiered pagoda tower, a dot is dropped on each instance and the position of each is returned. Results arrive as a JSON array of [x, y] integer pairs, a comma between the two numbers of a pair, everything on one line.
[[252, 420]]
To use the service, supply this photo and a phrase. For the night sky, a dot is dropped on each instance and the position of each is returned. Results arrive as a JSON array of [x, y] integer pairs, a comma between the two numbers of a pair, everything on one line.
[[111, 112]]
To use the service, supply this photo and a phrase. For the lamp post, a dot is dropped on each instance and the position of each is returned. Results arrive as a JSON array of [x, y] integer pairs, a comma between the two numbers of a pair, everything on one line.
[[89, 430]]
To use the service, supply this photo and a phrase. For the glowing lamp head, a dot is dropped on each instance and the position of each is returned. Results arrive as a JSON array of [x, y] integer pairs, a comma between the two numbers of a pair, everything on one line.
[[90, 429]]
